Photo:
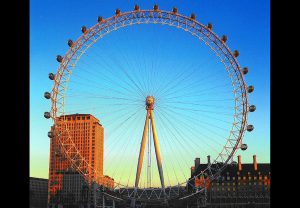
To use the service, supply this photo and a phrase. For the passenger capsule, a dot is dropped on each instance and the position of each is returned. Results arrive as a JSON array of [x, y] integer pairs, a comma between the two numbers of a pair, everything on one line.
[[47, 115], [50, 134], [252, 108], [236, 53], [209, 26], [59, 58], [250, 128], [100, 18], [136, 8], [193, 16], [47, 95], [118, 11], [250, 89], [51, 76], [57, 153], [245, 70], [83, 29], [155, 7], [224, 38], [244, 147], [175, 10], [70, 43]]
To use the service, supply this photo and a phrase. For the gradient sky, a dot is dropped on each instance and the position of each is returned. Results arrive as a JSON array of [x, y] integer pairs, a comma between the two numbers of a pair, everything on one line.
[[52, 23]]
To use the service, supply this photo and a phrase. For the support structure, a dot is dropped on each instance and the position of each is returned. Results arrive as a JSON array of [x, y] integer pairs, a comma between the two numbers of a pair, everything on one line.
[[149, 116]]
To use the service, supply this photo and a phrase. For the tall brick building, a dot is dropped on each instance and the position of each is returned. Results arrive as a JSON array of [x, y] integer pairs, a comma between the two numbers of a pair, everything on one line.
[[88, 135]]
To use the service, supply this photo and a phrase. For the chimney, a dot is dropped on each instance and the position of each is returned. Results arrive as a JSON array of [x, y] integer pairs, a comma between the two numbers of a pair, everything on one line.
[[240, 162], [208, 159], [192, 170], [255, 162], [197, 162]]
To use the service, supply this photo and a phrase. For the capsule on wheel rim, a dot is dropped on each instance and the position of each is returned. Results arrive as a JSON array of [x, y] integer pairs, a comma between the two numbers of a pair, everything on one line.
[[244, 147], [224, 38], [252, 108], [100, 19], [47, 115], [136, 7], [245, 70], [250, 89], [175, 10], [59, 58], [51, 76], [118, 11], [47, 95], [209, 26], [57, 153], [193, 16], [70, 43], [236, 53], [83, 29], [250, 128], [50, 134]]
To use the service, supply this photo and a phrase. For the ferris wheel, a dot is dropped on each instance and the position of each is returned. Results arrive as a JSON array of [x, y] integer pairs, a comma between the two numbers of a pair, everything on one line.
[[165, 88]]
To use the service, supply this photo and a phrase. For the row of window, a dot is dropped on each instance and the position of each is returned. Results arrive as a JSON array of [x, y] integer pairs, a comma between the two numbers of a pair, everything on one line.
[[233, 183], [82, 124], [77, 118], [245, 178]]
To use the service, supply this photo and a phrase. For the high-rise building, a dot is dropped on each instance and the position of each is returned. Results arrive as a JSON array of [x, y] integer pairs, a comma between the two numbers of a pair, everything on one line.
[[88, 136]]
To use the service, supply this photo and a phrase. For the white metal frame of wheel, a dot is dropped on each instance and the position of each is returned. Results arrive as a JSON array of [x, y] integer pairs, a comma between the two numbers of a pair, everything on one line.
[[173, 19]]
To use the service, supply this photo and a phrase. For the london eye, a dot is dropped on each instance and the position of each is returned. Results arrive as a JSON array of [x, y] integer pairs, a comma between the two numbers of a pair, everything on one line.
[[166, 89]]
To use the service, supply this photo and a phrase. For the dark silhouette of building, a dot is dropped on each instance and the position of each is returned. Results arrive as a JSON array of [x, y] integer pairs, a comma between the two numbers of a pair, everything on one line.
[[38, 192], [239, 185]]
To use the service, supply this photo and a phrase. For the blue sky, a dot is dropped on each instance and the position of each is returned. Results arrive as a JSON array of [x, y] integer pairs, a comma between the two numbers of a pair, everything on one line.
[[52, 23]]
